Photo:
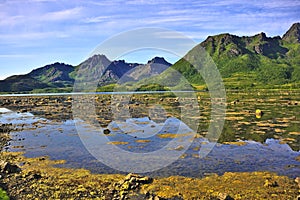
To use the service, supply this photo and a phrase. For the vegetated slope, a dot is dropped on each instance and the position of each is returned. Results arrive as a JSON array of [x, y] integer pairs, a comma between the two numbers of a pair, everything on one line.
[[267, 61], [56, 75], [50, 76]]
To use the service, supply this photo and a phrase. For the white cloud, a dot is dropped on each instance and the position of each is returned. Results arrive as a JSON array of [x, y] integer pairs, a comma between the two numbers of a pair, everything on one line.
[[147, 2], [67, 14], [96, 19], [105, 3], [160, 20], [171, 35]]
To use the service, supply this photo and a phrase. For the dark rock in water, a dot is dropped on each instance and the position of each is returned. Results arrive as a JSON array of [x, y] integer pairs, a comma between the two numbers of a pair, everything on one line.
[[5, 128], [8, 168], [23, 110], [106, 131]]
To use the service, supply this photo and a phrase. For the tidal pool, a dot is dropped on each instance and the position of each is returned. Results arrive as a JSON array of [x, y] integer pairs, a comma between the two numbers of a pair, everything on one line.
[[60, 140]]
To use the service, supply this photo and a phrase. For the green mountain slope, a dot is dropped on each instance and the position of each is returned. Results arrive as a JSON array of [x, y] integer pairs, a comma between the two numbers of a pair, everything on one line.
[[268, 61], [55, 75], [21, 83]]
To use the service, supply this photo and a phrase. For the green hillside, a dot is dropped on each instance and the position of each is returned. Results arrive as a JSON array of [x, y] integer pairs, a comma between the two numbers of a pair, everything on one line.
[[252, 61]]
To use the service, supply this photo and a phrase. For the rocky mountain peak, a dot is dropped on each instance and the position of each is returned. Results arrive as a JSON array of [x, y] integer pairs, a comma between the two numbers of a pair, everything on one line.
[[159, 60], [261, 36], [98, 58], [293, 34]]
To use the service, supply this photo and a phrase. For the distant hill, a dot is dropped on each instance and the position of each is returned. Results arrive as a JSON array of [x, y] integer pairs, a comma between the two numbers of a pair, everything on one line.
[[19, 83], [55, 75], [93, 69], [267, 60], [96, 70], [50, 76], [154, 67]]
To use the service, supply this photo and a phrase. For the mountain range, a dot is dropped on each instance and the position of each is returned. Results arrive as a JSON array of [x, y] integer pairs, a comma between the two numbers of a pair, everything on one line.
[[247, 61]]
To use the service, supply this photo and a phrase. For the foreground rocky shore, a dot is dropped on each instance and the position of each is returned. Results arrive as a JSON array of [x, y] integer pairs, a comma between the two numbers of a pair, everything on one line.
[[39, 178]]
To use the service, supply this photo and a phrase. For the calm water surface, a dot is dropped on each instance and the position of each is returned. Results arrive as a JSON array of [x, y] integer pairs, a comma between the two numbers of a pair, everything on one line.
[[60, 140]]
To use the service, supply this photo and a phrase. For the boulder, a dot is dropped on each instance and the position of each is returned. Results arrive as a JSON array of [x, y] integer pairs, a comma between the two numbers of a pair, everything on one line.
[[224, 196], [130, 183], [8, 168]]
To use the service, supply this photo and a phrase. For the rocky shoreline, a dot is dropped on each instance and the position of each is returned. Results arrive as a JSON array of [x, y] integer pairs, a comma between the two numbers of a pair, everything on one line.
[[39, 178], [31, 178]]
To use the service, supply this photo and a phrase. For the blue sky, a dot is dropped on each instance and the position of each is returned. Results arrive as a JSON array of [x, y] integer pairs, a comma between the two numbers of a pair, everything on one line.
[[34, 33]]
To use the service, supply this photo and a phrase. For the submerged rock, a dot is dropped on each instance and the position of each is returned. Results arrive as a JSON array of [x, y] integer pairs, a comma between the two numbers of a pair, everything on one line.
[[106, 131]]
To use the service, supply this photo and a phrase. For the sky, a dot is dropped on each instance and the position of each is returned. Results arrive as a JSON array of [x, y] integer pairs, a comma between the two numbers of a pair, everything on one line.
[[34, 33]]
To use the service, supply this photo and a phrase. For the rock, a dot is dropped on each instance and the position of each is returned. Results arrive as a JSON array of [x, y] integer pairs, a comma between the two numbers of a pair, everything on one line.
[[33, 176], [106, 131], [8, 168], [5, 128], [269, 183], [224, 196], [155, 197], [131, 182], [23, 110], [297, 180], [234, 102], [258, 113], [137, 178]]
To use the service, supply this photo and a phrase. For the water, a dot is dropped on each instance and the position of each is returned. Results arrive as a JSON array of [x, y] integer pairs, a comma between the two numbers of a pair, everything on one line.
[[92, 93], [60, 140]]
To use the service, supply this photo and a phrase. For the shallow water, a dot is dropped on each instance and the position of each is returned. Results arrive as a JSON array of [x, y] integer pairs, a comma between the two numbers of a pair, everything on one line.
[[89, 93], [60, 140], [271, 143]]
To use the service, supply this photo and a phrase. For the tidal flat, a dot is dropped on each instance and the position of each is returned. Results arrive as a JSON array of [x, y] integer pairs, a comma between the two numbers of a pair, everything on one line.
[[254, 157]]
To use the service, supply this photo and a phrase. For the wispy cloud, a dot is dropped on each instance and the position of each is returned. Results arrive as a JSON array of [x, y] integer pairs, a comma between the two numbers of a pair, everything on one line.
[[96, 19], [170, 35], [67, 14], [11, 20], [177, 19], [147, 2]]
